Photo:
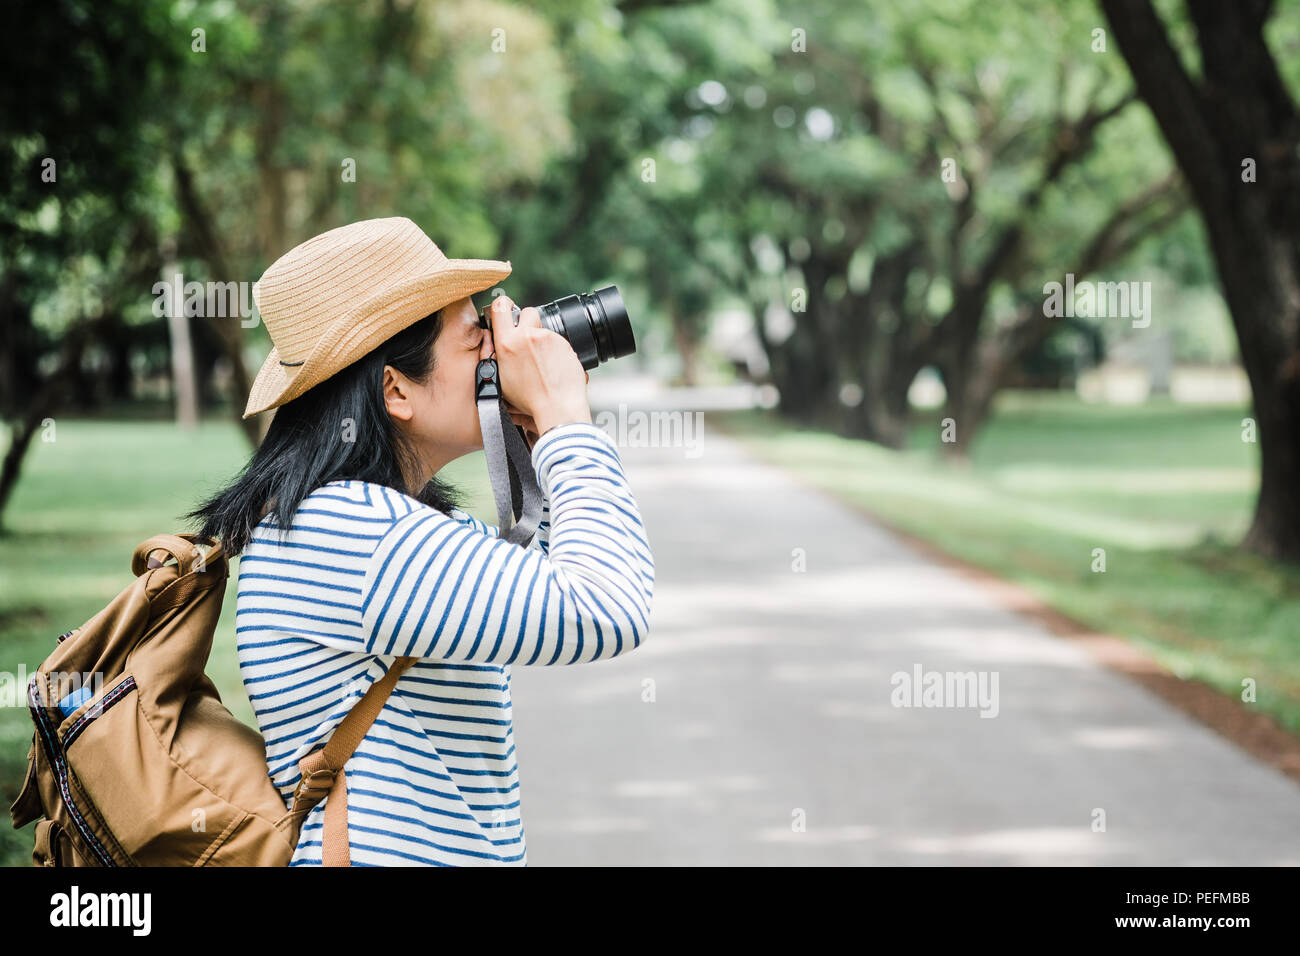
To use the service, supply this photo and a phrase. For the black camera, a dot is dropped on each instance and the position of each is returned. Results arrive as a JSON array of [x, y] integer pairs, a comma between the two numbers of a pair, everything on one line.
[[595, 323]]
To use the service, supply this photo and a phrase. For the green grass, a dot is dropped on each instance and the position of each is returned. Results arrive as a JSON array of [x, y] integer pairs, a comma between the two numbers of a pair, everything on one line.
[[1167, 490], [83, 503]]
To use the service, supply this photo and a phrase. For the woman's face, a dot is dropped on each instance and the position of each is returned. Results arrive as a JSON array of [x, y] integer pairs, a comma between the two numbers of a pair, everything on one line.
[[440, 416]]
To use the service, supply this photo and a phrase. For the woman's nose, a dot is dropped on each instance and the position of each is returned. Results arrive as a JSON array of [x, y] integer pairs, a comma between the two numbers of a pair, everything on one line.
[[485, 350]]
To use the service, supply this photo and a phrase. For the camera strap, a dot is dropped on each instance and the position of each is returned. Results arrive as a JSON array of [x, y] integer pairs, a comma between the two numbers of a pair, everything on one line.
[[510, 462]]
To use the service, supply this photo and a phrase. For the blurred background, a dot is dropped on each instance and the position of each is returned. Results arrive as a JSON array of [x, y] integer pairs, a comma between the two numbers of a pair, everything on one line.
[[836, 227]]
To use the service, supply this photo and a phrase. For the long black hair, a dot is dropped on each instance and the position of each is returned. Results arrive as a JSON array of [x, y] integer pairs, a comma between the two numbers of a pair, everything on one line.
[[337, 430]]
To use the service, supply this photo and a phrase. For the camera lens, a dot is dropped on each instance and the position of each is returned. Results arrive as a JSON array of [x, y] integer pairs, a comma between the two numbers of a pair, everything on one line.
[[595, 323]]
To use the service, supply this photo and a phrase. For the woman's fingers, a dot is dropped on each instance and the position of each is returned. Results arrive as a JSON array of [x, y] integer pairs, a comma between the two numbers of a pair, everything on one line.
[[538, 366], [529, 427], [501, 315], [522, 419]]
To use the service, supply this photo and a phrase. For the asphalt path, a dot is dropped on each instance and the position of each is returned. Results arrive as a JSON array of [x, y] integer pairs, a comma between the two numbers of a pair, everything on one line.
[[760, 724]]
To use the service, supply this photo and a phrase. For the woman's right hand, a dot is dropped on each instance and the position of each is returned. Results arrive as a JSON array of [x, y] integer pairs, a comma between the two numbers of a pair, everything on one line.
[[540, 373]]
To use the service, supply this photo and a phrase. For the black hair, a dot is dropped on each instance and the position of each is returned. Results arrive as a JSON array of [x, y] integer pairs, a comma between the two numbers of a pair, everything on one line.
[[337, 430]]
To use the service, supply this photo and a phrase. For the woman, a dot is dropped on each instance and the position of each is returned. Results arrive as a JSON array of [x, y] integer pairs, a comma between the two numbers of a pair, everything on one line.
[[355, 554]]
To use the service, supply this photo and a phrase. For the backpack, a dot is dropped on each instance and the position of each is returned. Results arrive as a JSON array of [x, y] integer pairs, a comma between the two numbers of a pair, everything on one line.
[[136, 762]]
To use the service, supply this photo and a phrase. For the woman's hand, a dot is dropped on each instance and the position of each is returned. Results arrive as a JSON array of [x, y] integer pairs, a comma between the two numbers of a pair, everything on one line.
[[526, 422], [539, 370]]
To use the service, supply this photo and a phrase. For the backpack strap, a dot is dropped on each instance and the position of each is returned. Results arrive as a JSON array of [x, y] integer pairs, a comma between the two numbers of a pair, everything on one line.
[[322, 770], [182, 547]]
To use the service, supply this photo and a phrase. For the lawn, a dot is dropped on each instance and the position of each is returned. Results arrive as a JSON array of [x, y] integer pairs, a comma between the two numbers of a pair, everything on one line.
[[85, 500], [1165, 489]]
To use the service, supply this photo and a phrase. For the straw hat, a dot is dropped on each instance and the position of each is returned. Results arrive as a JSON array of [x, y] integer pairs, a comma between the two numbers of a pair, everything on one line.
[[337, 296]]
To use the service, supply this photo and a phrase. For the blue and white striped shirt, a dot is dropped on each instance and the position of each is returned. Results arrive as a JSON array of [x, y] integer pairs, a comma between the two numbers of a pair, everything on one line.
[[366, 575]]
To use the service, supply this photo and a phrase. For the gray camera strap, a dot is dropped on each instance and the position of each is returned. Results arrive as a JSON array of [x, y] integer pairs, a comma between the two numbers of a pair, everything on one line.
[[509, 460]]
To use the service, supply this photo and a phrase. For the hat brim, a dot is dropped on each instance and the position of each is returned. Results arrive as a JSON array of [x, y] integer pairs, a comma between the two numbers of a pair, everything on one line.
[[356, 333]]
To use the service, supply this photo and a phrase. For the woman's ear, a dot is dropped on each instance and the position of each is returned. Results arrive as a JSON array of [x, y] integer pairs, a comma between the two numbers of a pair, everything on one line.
[[397, 395]]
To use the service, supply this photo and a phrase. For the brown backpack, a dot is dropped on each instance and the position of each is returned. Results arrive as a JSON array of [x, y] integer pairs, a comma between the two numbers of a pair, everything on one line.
[[136, 762]]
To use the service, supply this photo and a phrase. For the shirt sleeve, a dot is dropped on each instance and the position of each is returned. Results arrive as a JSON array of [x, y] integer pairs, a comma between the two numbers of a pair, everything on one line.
[[439, 588], [541, 537]]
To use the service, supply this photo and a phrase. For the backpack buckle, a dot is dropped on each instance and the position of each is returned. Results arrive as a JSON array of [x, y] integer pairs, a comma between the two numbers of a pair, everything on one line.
[[307, 784]]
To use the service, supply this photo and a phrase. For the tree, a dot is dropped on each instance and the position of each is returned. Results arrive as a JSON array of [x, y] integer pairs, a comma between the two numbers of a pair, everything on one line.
[[76, 238], [907, 174], [1234, 131]]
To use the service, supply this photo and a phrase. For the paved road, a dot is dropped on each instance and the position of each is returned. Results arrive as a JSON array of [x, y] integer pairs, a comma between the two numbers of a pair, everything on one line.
[[772, 703]]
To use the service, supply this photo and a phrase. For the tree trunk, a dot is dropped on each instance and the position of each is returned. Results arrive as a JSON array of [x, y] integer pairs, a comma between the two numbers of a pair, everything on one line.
[[968, 405], [229, 329], [884, 363], [687, 347], [43, 404], [800, 370], [184, 386], [1275, 530], [1239, 111]]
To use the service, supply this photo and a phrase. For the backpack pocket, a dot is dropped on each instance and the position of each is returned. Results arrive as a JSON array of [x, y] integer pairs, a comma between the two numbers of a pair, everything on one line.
[[57, 846], [27, 807], [46, 852], [160, 814], [80, 718]]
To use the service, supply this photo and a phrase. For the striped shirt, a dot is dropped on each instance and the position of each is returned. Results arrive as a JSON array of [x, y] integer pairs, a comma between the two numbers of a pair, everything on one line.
[[366, 575]]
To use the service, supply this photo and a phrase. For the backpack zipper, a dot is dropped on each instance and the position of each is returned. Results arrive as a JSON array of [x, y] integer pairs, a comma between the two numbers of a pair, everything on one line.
[[50, 741]]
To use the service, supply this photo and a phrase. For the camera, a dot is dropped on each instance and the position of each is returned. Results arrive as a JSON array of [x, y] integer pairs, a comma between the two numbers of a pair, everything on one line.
[[595, 324]]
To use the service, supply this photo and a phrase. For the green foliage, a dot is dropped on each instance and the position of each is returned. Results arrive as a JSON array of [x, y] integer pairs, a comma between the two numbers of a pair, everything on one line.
[[537, 151]]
